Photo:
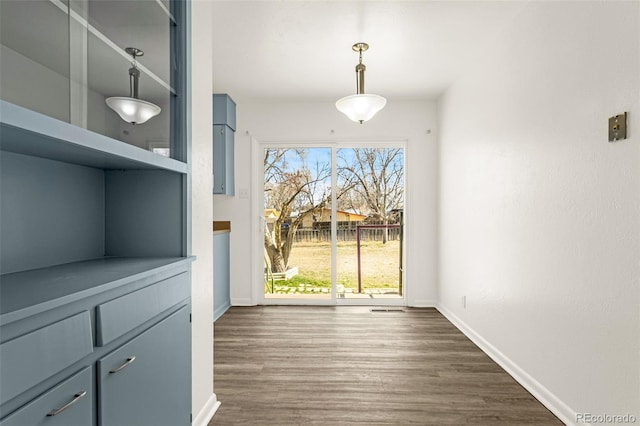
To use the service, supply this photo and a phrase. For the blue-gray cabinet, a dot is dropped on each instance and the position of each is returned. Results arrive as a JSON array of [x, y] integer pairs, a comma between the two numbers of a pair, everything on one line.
[[128, 319], [71, 403], [95, 260], [223, 178], [224, 126], [221, 273], [77, 59], [131, 390]]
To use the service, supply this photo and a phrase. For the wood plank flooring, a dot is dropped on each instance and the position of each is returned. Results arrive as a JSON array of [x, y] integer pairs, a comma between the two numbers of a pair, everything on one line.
[[302, 365]]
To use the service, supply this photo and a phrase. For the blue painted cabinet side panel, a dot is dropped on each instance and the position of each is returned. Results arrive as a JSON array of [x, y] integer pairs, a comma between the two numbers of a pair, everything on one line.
[[221, 275], [155, 389], [81, 413], [143, 213], [52, 212], [42, 353]]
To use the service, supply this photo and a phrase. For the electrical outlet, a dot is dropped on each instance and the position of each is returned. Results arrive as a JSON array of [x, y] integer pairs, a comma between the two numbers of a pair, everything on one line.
[[463, 301], [243, 193]]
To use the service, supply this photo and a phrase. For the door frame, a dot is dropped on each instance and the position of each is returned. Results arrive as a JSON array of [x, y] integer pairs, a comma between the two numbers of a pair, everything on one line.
[[257, 222]]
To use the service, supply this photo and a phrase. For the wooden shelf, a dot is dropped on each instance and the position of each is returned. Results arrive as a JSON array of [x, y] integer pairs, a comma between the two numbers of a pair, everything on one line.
[[27, 293], [30, 133]]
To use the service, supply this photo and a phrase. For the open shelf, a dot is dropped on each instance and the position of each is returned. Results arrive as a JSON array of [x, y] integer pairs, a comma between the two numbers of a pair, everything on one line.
[[145, 25], [30, 133], [27, 293]]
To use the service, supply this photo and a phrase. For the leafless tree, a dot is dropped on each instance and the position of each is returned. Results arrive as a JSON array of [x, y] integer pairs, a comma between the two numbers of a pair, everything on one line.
[[295, 193], [376, 177]]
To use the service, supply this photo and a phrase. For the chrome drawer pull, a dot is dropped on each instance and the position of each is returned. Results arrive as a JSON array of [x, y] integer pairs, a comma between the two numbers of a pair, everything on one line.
[[75, 399], [125, 365]]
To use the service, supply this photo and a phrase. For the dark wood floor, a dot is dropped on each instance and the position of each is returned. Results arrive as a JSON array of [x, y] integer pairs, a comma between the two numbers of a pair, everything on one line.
[[287, 365]]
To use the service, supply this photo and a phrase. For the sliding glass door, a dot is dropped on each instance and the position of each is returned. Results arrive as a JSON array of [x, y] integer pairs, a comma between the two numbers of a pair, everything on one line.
[[333, 223], [370, 186]]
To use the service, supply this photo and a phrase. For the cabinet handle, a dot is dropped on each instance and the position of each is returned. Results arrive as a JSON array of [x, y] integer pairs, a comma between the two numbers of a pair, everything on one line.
[[75, 399], [123, 366]]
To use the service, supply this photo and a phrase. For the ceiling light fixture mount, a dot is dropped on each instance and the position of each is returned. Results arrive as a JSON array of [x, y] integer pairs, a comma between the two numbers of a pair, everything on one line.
[[132, 109], [360, 107]]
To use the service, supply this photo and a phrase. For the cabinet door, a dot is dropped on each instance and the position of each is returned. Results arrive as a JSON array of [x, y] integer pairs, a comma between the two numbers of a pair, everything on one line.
[[223, 161], [147, 381], [221, 275], [68, 404]]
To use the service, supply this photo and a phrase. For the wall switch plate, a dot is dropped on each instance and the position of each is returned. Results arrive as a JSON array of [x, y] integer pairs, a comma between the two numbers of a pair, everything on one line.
[[463, 301], [618, 127]]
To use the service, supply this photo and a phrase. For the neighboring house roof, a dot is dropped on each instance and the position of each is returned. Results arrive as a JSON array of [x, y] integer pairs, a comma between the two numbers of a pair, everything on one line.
[[271, 213], [350, 214]]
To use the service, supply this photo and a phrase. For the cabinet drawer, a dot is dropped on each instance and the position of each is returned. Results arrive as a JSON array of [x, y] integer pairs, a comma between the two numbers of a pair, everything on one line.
[[118, 316], [147, 381], [76, 393], [40, 354]]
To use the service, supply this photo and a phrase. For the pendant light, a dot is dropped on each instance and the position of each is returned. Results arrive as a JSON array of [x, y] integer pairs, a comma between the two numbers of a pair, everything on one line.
[[131, 109], [360, 107]]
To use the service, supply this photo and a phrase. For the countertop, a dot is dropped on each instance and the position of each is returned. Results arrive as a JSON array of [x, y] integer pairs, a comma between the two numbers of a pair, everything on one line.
[[221, 227]]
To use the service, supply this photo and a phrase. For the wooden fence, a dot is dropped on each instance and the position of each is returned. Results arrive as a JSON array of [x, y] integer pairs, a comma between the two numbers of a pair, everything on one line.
[[342, 234]]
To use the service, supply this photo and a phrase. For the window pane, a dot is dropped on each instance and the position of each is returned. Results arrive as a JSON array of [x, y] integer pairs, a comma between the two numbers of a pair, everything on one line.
[[34, 59], [297, 213], [370, 215]]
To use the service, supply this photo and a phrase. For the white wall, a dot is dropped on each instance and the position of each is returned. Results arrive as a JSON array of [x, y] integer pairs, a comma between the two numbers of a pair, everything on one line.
[[315, 121], [204, 401], [540, 215]]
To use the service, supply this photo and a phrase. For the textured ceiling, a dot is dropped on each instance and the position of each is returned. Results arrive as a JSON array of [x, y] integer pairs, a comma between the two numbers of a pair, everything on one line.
[[301, 50]]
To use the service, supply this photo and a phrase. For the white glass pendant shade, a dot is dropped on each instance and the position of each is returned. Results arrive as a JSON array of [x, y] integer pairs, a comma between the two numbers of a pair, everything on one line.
[[361, 108], [132, 110]]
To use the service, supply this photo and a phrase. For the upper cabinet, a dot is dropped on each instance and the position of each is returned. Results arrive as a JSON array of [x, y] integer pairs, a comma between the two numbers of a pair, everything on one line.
[[77, 182], [224, 126], [73, 56]]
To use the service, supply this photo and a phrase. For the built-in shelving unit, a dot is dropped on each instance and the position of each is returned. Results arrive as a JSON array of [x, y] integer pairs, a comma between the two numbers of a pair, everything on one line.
[[74, 55], [94, 262]]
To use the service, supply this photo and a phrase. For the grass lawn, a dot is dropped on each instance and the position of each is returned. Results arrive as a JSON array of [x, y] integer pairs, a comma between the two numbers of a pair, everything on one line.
[[379, 264]]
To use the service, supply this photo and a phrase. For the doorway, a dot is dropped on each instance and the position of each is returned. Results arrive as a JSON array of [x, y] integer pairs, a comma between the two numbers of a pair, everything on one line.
[[333, 223]]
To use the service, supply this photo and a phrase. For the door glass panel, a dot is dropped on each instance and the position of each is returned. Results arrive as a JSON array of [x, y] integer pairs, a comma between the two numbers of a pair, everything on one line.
[[297, 215], [72, 57], [113, 27], [34, 57], [370, 217]]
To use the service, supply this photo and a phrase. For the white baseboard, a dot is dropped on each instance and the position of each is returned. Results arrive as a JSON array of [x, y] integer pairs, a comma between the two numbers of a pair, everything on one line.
[[541, 393], [422, 303], [242, 302], [206, 414]]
